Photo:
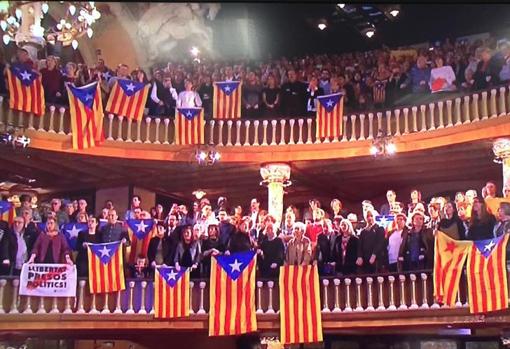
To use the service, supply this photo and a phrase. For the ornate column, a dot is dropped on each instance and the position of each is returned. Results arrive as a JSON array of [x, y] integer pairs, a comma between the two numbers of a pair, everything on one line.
[[501, 149], [276, 177]]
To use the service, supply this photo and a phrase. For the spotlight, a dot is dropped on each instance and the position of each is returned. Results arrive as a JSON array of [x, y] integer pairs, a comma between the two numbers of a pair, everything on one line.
[[394, 13], [341, 5], [321, 26], [195, 51], [369, 33]]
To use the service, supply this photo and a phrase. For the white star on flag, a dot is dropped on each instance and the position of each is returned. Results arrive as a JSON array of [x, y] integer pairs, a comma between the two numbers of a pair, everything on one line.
[[130, 87], [489, 246], [172, 275], [88, 97], [236, 266], [73, 233], [189, 113], [105, 252], [141, 226], [227, 88], [25, 75], [329, 103], [383, 220]]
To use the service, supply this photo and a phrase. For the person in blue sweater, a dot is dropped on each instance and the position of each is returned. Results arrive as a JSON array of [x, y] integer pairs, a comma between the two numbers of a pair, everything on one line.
[[418, 77]]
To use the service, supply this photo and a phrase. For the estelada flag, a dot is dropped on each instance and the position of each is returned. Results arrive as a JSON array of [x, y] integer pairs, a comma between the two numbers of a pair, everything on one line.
[[449, 258], [330, 110], [106, 269], [227, 99], [7, 211], [189, 126], [385, 221], [86, 111], [232, 294], [300, 315], [128, 99], [140, 233], [71, 231], [493, 204], [487, 275], [26, 92], [171, 292]]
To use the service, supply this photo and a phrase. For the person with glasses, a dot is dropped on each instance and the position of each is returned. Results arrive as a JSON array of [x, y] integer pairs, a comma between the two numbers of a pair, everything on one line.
[[62, 217]]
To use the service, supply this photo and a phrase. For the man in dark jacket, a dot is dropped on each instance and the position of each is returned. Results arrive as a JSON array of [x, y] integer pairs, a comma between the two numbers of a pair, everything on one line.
[[371, 246], [293, 96], [158, 252], [22, 240], [416, 250]]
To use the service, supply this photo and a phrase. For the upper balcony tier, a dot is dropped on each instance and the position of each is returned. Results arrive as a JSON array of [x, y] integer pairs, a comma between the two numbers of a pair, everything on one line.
[[467, 118]]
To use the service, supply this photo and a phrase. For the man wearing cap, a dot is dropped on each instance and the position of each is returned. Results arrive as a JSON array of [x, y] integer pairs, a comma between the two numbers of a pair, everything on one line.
[[371, 246], [394, 242]]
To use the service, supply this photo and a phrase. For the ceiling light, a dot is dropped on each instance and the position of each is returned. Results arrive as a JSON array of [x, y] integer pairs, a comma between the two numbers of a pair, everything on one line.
[[394, 13], [321, 26], [370, 32], [341, 5], [74, 43], [45, 7], [194, 51]]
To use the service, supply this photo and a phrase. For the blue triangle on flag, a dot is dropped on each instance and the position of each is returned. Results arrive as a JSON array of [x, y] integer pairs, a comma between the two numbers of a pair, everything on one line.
[[41, 226], [105, 251], [5, 206], [228, 87], [189, 113], [86, 94], [329, 102], [140, 227], [235, 263], [487, 246], [71, 232], [171, 275], [384, 220], [130, 87], [24, 73]]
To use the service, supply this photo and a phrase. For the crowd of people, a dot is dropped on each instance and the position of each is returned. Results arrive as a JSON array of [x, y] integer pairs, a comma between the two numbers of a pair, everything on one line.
[[399, 236], [290, 87]]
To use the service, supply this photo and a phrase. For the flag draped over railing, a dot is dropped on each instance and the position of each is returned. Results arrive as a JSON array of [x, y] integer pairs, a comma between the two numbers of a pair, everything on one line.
[[300, 315], [26, 90], [232, 294], [171, 292], [189, 126], [106, 269], [329, 116]]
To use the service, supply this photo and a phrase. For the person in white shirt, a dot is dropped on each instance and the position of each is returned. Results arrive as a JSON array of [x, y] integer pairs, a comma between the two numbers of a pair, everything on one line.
[[394, 242], [165, 94], [442, 77], [188, 98]]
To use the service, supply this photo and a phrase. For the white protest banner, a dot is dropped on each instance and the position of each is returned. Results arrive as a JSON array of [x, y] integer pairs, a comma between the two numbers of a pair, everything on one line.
[[48, 280]]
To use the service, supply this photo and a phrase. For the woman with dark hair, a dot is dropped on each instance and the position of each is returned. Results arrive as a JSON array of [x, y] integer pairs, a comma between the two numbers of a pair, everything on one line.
[[451, 224], [51, 246], [481, 224], [211, 246], [188, 251], [345, 249], [415, 199], [84, 238]]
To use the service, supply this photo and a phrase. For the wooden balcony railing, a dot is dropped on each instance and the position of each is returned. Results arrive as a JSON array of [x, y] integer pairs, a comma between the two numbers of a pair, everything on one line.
[[471, 108], [378, 294]]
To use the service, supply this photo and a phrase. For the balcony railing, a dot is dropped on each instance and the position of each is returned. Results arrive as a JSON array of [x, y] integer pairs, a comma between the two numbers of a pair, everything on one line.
[[471, 108], [339, 296]]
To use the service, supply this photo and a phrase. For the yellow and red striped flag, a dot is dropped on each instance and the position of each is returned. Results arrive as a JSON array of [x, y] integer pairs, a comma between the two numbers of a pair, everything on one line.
[[106, 269], [171, 293], [449, 258], [26, 92], [232, 294], [227, 100], [330, 109], [493, 204], [140, 233], [86, 111], [189, 126], [7, 211], [128, 99], [300, 315], [487, 275]]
